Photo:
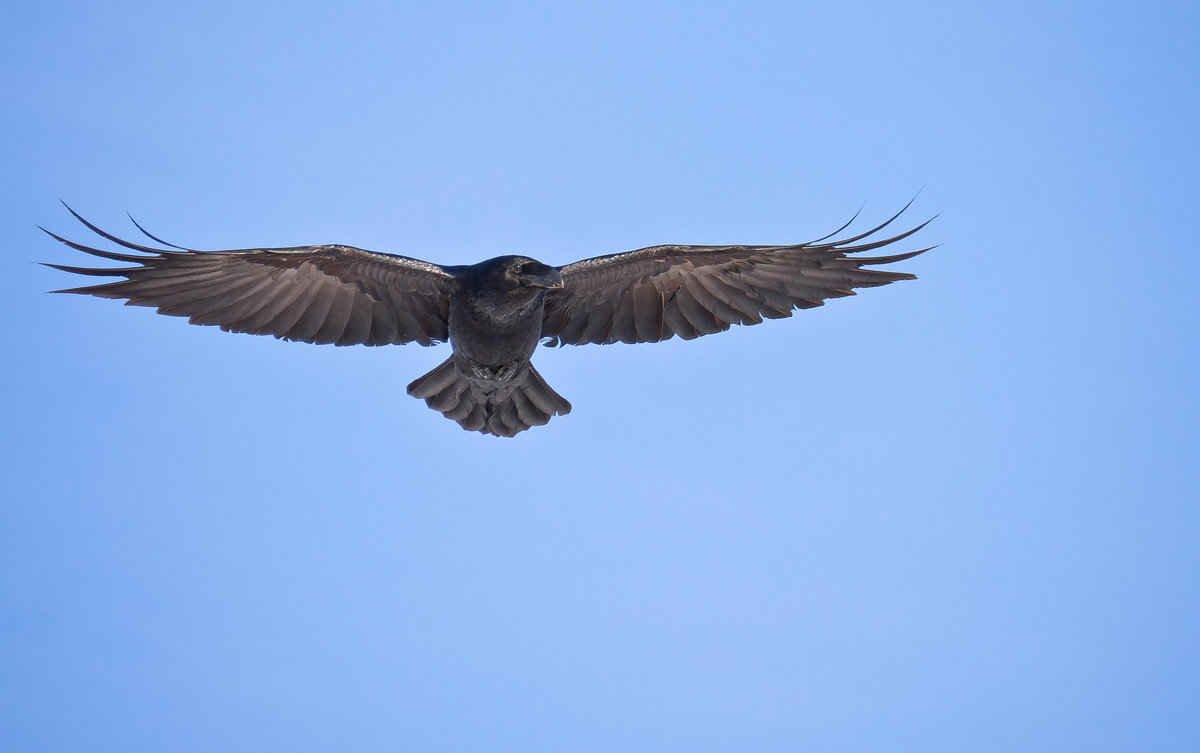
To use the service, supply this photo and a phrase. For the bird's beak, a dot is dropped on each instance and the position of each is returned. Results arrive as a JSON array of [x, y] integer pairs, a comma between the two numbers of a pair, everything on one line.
[[542, 276]]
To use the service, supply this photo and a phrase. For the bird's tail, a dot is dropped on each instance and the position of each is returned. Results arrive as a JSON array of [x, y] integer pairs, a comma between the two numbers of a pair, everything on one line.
[[504, 409]]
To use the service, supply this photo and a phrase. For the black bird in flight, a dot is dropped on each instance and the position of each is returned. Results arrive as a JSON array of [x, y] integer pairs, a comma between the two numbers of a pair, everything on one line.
[[495, 312]]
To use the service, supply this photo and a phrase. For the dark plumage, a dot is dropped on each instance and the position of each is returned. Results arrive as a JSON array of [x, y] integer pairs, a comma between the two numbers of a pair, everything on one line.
[[493, 313]]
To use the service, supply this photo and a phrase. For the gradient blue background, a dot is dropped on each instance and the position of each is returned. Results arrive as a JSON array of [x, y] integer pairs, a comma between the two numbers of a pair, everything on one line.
[[953, 514]]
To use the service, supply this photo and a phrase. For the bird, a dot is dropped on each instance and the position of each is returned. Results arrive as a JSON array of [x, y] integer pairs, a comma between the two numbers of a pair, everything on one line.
[[495, 313]]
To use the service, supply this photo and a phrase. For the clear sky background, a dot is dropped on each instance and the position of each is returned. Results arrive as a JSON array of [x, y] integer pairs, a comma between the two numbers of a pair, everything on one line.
[[953, 514]]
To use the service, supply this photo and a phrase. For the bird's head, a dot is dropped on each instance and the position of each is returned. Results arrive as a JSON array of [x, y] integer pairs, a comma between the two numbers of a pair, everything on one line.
[[501, 287], [523, 272]]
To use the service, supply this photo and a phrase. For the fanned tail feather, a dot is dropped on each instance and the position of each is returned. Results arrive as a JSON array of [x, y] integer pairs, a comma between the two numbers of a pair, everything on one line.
[[503, 409]]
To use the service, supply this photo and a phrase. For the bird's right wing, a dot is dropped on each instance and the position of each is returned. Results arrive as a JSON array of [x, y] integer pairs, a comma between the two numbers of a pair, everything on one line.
[[318, 294]]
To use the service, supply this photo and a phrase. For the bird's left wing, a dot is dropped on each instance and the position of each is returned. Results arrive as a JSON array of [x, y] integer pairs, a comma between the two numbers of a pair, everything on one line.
[[655, 293], [318, 294]]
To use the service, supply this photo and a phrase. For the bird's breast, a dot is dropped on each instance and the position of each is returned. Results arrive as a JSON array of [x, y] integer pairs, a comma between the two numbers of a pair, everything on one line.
[[485, 339]]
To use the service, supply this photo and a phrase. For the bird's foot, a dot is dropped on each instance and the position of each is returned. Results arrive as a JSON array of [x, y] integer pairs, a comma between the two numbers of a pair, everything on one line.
[[501, 373]]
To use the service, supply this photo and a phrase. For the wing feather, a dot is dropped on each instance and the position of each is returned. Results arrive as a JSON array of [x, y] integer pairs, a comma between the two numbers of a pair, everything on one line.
[[336, 318], [648, 315], [703, 310], [600, 321], [280, 311], [358, 322], [246, 304], [325, 294], [722, 312], [675, 321], [726, 290], [384, 327], [313, 315], [655, 293], [230, 306]]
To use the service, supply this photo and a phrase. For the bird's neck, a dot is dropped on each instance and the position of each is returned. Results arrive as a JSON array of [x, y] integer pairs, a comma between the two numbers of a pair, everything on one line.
[[506, 308]]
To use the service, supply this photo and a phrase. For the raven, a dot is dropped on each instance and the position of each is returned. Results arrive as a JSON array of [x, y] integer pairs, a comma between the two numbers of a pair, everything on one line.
[[493, 313]]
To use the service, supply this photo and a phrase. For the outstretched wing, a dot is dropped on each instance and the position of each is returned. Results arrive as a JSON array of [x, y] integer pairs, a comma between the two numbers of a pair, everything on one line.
[[317, 294], [655, 293]]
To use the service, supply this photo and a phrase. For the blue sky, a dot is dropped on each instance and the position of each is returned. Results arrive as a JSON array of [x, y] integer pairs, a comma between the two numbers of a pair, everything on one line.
[[952, 514]]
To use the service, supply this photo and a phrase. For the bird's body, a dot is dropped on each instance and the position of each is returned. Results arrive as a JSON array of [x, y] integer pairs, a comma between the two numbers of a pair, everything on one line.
[[495, 322], [493, 313]]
